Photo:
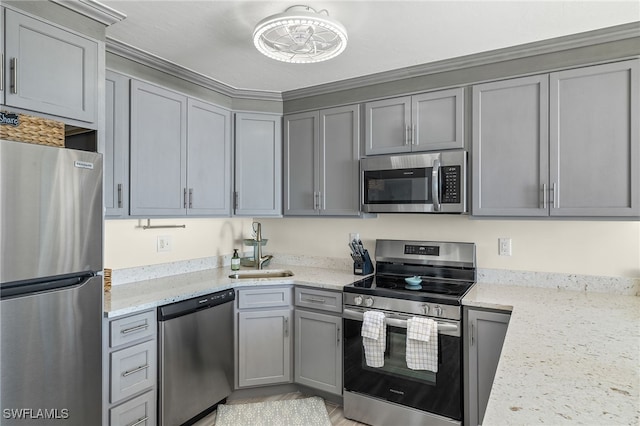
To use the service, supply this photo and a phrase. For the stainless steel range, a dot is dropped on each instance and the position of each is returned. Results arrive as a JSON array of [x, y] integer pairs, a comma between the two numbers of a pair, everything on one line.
[[395, 393]]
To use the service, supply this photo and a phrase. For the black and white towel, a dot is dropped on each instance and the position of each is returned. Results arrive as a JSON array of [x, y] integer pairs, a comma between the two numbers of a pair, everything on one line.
[[422, 344], [374, 338]]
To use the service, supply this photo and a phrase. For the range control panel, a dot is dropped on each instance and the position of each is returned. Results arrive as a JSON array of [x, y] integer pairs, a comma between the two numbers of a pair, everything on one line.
[[422, 250]]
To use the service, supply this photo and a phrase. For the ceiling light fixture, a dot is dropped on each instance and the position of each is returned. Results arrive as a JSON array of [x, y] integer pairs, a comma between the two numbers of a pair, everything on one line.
[[300, 35]]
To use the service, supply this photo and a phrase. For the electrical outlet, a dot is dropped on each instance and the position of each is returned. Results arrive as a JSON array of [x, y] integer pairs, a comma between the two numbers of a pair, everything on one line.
[[164, 243], [504, 246]]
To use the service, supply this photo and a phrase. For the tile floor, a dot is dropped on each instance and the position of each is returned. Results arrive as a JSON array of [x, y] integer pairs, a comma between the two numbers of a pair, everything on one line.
[[335, 411]]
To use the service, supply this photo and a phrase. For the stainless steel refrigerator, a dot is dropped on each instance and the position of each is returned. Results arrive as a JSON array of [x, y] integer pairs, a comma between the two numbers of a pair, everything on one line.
[[50, 293]]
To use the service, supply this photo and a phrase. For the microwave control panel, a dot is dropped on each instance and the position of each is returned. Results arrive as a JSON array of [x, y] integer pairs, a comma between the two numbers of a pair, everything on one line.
[[450, 176]]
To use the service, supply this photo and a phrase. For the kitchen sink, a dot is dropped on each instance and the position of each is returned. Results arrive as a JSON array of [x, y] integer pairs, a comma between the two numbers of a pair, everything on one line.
[[273, 273]]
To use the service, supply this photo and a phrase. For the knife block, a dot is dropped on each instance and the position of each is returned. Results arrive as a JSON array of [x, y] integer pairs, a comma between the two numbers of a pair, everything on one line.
[[363, 264]]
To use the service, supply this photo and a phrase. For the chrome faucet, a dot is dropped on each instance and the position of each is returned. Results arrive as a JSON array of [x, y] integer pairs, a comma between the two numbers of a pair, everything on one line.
[[260, 259]]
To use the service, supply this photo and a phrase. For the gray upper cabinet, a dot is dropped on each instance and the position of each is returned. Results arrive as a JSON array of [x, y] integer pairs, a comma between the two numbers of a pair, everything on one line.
[[564, 144], [180, 154], [208, 159], [424, 122], [510, 148], [594, 139], [258, 165], [49, 69], [116, 153], [321, 154], [158, 151]]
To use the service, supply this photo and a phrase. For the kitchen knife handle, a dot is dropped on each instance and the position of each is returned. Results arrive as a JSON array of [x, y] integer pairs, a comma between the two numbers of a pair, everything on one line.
[[14, 75]]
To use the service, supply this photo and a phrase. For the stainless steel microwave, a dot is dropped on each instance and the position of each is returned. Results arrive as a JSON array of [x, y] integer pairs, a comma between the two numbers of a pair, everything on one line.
[[434, 182]]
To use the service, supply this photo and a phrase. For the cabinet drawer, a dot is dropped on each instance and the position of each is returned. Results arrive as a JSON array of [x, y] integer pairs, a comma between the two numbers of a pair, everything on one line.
[[133, 370], [264, 297], [140, 411], [318, 299], [129, 329]]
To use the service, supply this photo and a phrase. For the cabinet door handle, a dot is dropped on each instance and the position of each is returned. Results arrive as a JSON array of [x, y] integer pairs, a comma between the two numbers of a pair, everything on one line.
[[139, 421], [406, 135], [184, 198], [414, 141], [544, 196], [190, 198], [135, 370], [235, 200], [286, 327], [1, 72], [134, 329], [119, 195], [339, 335], [14, 75], [554, 192], [471, 331]]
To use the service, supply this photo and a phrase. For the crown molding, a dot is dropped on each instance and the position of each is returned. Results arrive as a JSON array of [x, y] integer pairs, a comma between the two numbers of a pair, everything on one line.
[[558, 44], [145, 58], [94, 10]]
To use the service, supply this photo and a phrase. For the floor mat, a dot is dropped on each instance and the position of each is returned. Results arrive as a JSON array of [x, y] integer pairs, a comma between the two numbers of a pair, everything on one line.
[[294, 412]]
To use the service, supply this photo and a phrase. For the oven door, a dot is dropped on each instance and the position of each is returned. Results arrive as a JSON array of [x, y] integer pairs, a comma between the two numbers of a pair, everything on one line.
[[438, 393]]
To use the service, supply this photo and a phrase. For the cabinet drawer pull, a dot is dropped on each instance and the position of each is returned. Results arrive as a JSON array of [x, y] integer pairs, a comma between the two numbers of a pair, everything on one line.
[[314, 300], [14, 75], [135, 370], [134, 329], [140, 421]]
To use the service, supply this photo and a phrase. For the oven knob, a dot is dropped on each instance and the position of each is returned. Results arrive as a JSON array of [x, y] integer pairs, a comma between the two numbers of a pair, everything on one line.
[[357, 300], [437, 311], [425, 309], [368, 302]]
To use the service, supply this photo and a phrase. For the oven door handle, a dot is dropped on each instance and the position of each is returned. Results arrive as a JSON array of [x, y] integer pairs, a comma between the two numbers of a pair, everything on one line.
[[450, 329]]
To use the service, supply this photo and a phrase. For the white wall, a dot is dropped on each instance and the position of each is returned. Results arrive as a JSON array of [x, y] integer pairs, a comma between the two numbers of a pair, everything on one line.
[[573, 247]]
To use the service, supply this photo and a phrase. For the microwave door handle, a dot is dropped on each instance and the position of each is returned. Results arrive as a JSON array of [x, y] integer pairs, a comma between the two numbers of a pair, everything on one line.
[[435, 184]]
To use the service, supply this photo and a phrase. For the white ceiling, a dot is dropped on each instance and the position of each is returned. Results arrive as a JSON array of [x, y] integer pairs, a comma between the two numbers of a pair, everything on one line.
[[214, 38]]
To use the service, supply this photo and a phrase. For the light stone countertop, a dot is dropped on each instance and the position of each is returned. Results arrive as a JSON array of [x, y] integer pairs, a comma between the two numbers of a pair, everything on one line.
[[568, 358], [147, 294]]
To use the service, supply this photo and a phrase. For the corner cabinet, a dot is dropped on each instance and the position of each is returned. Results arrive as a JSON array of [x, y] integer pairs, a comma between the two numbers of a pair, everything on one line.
[[116, 153], [258, 165], [560, 144], [321, 155], [49, 69], [318, 339], [180, 154], [424, 122], [264, 331], [484, 333]]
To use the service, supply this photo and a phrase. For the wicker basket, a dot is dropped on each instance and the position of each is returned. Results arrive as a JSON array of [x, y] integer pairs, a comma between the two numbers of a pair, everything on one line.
[[31, 129]]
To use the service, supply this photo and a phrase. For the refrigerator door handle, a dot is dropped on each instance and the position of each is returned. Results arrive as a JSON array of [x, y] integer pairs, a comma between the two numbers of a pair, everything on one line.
[[22, 288]]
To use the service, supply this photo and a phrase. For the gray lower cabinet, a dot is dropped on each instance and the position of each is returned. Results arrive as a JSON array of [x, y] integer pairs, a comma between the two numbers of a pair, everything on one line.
[[559, 144], [318, 339], [180, 154], [264, 331], [484, 334], [49, 69], [321, 162], [116, 151], [423, 122], [258, 165], [129, 370]]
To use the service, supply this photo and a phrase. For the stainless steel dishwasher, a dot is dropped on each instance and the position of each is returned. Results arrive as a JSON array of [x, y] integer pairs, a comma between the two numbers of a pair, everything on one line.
[[196, 357]]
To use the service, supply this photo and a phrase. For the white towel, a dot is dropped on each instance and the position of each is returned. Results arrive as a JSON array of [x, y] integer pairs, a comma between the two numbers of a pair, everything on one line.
[[422, 344], [374, 338]]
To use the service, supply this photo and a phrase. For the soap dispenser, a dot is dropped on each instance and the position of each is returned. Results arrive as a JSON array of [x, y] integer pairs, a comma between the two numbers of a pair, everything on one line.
[[235, 261]]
